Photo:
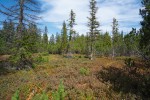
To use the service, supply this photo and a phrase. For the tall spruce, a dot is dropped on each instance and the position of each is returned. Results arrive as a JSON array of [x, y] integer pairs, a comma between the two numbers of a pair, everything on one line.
[[71, 32], [32, 38], [145, 30], [115, 35], [45, 37], [58, 43], [121, 44], [52, 44], [45, 40], [93, 25], [64, 39], [131, 42], [7, 37], [107, 43], [8, 33]]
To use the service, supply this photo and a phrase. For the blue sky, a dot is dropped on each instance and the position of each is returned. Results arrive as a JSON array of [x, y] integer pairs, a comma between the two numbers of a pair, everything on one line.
[[57, 11]]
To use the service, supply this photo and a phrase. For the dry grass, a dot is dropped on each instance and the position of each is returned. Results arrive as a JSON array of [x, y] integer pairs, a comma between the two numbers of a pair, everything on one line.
[[46, 77]]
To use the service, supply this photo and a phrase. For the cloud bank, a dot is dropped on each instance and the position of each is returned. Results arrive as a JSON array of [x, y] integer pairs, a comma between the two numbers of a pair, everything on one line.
[[125, 11]]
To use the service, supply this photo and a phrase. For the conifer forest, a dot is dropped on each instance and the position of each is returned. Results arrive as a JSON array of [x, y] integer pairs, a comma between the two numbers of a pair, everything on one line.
[[95, 64]]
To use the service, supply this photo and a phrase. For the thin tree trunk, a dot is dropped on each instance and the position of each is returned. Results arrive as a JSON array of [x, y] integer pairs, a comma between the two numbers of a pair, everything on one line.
[[113, 55], [21, 12], [113, 52], [20, 26], [91, 55]]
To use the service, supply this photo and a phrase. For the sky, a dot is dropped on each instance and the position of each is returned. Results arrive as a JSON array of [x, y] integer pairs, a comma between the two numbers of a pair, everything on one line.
[[57, 11]]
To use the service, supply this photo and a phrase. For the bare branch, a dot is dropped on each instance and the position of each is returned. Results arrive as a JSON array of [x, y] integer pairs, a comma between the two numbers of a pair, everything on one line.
[[9, 12], [29, 9], [34, 17]]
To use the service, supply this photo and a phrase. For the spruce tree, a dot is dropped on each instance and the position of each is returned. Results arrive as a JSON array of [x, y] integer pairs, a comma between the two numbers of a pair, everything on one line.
[[8, 33], [64, 39], [107, 43], [131, 42], [121, 44], [32, 38], [2, 43], [52, 44], [115, 35], [45, 37], [145, 30], [45, 40], [80, 44], [23, 12], [58, 43], [71, 32], [93, 25]]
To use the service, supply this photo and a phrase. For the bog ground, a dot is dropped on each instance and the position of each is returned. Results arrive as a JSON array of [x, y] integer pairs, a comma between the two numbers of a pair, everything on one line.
[[101, 79]]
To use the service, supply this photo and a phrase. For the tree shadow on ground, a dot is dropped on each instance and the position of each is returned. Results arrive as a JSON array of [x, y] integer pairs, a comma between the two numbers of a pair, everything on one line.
[[3, 71], [5, 68], [126, 81]]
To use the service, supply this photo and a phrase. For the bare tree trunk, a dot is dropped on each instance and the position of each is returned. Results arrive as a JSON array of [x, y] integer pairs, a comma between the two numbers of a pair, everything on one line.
[[91, 54], [21, 17], [69, 51], [113, 55], [70, 44]]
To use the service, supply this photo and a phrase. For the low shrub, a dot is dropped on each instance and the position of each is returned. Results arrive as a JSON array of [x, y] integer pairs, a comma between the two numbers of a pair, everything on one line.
[[84, 71], [42, 96], [129, 62], [45, 54], [130, 65], [39, 59], [80, 56]]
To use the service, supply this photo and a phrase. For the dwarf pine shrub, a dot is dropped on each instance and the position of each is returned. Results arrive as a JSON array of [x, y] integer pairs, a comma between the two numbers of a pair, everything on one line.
[[84, 71], [15, 96], [60, 93]]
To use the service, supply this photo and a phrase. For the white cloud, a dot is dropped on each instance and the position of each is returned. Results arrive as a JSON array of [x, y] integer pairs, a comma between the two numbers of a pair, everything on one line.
[[125, 11]]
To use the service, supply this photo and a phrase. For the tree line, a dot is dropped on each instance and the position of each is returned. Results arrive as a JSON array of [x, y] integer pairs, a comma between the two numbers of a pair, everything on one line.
[[105, 44]]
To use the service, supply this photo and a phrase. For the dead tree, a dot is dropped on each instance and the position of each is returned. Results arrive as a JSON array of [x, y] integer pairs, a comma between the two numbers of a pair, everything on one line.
[[23, 13]]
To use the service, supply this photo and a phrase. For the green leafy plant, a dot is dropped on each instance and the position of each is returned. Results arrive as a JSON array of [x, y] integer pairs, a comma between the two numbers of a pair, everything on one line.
[[84, 71], [80, 56], [42, 96], [15, 96], [45, 54], [130, 65], [60, 93], [129, 62], [40, 59]]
